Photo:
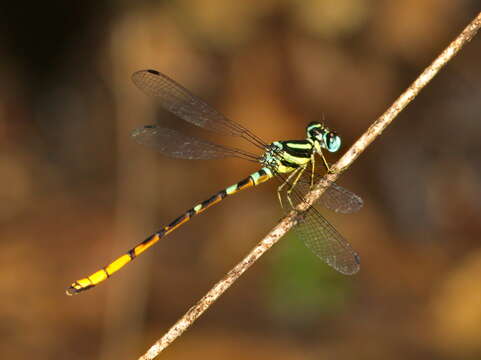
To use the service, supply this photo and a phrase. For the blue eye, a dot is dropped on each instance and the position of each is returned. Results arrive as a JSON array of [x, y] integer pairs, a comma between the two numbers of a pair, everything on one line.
[[332, 141]]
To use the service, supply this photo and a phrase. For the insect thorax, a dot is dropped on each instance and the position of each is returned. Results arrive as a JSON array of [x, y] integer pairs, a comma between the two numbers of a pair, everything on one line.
[[286, 156]]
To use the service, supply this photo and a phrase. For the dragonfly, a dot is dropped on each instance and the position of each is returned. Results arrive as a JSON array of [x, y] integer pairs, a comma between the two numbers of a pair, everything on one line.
[[292, 162]]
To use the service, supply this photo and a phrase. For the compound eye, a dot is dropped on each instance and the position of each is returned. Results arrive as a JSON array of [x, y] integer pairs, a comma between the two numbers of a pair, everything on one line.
[[332, 141]]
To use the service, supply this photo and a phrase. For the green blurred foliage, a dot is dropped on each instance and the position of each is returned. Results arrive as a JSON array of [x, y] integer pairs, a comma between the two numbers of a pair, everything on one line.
[[300, 288]]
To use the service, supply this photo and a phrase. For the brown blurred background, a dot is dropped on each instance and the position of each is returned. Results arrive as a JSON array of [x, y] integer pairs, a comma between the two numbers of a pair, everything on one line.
[[76, 191]]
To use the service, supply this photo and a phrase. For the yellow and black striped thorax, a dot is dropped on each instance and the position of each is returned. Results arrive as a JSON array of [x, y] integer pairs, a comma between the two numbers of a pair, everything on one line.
[[286, 156]]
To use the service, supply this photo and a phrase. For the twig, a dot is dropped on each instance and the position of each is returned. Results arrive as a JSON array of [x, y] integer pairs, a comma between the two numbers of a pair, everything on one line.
[[289, 221]]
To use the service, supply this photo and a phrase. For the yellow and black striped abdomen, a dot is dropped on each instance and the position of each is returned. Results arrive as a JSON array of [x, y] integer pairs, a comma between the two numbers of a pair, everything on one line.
[[103, 274]]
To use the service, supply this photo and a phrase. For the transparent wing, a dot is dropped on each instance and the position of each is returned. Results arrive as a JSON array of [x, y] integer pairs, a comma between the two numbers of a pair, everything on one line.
[[341, 200], [335, 198], [324, 241], [177, 145], [182, 103], [319, 235]]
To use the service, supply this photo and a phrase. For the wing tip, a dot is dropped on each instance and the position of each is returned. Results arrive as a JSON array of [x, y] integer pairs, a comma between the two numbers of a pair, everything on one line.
[[352, 270], [141, 73], [349, 268], [152, 71]]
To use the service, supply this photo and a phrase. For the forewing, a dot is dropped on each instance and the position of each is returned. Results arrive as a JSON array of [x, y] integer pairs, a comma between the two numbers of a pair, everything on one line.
[[181, 102], [177, 145]]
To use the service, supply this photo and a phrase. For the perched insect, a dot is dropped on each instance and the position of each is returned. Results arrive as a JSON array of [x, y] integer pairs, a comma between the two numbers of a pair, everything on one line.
[[292, 162]]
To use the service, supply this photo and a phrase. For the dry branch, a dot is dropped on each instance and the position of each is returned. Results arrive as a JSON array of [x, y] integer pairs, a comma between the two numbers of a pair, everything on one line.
[[344, 162]]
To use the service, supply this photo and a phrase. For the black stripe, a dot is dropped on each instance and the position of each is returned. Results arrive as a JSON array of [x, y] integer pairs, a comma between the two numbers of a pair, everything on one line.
[[106, 273], [289, 164], [293, 142], [300, 153], [150, 237], [244, 182], [132, 254], [210, 200], [304, 153], [190, 213], [180, 219], [222, 194]]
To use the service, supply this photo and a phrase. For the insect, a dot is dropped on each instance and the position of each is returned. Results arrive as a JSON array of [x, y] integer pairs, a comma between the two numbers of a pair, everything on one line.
[[292, 162]]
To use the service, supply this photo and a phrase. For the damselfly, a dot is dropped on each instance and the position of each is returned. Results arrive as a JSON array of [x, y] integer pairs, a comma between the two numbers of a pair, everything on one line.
[[292, 162]]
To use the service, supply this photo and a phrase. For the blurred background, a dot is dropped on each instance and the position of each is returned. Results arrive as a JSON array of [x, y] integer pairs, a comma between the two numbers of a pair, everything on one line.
[[76, 191]]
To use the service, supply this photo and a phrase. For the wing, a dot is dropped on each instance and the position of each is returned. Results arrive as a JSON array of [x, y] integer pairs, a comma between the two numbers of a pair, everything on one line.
[[335, 198], [324, 241], [177, 145], [318, 234], [182, 103], [341, 200]]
